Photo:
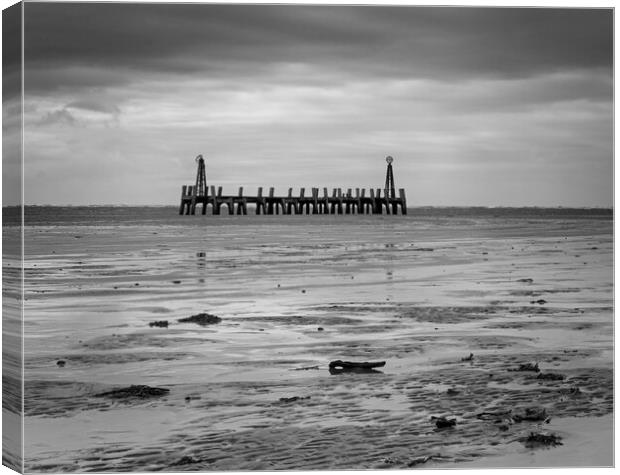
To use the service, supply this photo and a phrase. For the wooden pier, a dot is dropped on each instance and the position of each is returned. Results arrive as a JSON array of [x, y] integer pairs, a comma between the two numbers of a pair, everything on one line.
[[375, 201]]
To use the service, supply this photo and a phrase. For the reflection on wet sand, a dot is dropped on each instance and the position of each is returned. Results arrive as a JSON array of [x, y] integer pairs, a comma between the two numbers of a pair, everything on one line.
[[254, 391]]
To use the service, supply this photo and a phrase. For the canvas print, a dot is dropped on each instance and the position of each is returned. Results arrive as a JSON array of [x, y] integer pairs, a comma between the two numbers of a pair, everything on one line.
[[281, 237]]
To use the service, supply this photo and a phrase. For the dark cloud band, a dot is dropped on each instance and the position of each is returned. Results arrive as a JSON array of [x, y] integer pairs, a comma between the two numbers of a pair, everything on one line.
[[400, 41]]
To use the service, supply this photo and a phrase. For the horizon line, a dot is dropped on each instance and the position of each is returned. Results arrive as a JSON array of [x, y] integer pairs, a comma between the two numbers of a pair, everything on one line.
[[408, 207]]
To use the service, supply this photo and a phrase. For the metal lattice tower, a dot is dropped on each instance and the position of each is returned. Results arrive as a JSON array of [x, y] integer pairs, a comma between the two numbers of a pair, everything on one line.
[[390, 188], [201, 178]]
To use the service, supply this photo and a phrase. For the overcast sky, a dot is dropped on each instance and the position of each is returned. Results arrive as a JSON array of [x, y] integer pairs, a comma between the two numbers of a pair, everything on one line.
[[477, 106]]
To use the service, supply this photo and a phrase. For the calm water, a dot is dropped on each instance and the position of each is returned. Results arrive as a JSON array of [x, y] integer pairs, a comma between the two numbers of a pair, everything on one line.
[[168, 215]]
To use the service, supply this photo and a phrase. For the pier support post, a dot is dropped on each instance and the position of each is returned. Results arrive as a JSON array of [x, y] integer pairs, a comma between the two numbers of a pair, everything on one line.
[[315, 201], [242, 204], [215, 201], [260, 201], [183, 192], [190, 191], [270, 202], [378, 202]]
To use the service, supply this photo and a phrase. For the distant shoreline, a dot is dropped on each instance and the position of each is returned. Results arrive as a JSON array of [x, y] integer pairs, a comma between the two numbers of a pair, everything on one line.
[[100, 215], [425, 207]]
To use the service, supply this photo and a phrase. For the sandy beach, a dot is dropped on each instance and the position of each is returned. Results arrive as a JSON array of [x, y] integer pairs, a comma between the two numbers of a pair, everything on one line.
[[254, 391]]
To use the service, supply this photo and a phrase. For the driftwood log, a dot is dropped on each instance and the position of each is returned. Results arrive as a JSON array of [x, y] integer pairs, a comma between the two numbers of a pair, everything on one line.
[[350, 365], [339, 366]]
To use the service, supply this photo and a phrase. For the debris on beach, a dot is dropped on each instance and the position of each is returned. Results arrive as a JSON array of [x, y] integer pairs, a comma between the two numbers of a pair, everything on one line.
[[443, 422], [421, 460], [306, 368], [527, 367], [532, 413], [497, 416], [176, 281], [185, 460], [572, 391], [468, 358], [541, 439], [339, 366], [159, 323], [293, 399], [551, 376], [452, 392], [526, 281], [139, 391], [539, 301], [61, 363], [201, 319], [320, 329]]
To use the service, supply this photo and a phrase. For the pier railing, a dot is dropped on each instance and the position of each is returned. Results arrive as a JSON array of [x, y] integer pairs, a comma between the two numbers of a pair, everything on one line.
[[356, 201]]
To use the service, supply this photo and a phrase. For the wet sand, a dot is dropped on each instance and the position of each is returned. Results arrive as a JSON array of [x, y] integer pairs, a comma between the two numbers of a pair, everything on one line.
[[418, 294]]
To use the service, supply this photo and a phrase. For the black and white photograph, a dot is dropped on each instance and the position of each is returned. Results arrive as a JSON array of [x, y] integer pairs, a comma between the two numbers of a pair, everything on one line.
[[306, 237]]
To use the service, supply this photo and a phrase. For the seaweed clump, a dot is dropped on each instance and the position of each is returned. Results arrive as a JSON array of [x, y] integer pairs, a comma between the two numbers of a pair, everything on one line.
[[527, 367], [139, 391], [532, 414], [539, 439], [202, 319], [551, 376]]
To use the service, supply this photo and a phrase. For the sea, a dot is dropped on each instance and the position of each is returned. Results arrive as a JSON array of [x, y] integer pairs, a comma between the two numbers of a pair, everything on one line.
[[168, 215]]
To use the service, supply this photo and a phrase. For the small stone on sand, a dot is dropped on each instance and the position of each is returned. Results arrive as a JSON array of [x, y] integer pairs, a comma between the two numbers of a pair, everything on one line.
[[159, 323], [186, 460], [443, 422]]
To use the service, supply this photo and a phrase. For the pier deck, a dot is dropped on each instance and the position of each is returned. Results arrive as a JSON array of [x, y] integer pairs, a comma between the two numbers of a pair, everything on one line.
[[338, 203]]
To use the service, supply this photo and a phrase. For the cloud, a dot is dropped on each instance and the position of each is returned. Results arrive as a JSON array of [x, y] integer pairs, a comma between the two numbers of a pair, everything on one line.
[[120, 98], [424, 42], [95, 105], [59, 116]]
